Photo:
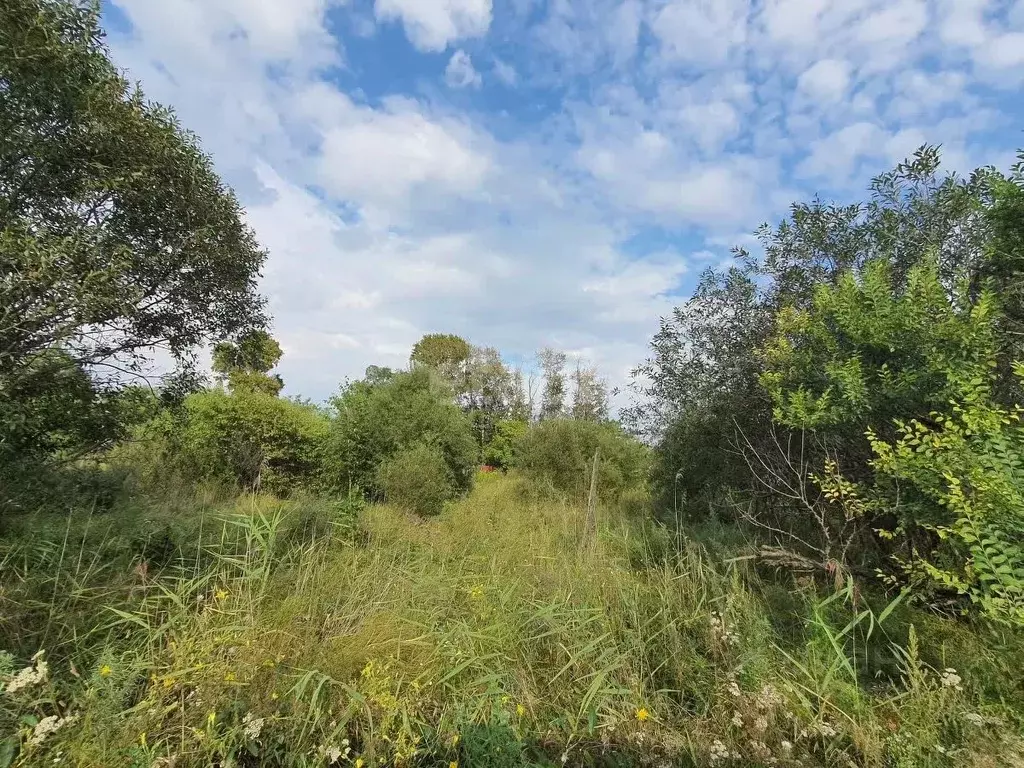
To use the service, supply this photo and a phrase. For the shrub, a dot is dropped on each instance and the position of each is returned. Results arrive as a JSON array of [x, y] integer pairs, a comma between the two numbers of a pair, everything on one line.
[[251, 439], [388, 412], [417, 479], [559, 454], [500, 451]]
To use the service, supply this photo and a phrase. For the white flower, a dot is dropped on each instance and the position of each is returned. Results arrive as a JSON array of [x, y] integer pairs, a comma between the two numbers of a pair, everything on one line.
[[786, 745], [734, 689], [47, 726], [950, 679], [252, 725], [737, 719], [718, 751], [333, 754], [29, 676], [974, 718]]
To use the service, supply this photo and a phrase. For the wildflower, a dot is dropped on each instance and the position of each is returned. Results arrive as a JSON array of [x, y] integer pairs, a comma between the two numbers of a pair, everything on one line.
[[359, 762], [48, 725], [734, 690], [105, 670], [455, 740], [275, 696], [169, 682], [31, 675], [718, 751], [520, 710], [642, 714], [975, 718], [786, 745], [252, 726], [737, 719], [229, 677], [142, 739], [453, 764], [476, 592], [950, 679], [221, 594], [211, 718]]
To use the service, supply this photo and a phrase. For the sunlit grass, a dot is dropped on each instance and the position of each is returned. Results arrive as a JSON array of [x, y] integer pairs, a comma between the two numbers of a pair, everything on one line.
[[301, 632]]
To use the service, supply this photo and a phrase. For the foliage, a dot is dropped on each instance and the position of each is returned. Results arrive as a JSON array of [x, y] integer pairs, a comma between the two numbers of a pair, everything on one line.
[[440, 640], [589, 394], [552, 363], [700, 390], [417, 479], [501, 450], [249, 439], [445, 353], [379, 416], [559, 454], [969, 464], [116, 235], [246, 364]]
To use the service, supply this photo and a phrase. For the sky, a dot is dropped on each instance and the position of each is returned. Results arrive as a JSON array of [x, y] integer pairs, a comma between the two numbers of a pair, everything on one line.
[[532, 173]]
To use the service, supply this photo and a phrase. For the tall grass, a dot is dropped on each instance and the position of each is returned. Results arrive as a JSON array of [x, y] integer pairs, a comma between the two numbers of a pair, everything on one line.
[[310, 632]]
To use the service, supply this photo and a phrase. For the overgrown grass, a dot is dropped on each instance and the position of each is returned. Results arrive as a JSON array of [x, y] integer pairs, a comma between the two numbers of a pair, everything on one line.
[[311, 632]]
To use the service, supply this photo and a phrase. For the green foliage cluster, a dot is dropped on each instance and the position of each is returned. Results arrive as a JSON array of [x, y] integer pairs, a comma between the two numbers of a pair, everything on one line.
[[850, 398], [247, 439], [116, 234], [418, 479], [387, 413], [559, 454]]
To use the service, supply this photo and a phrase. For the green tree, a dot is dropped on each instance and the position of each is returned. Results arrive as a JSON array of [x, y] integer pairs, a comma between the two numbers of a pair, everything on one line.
[[246, 364], [589, 394], [376, 418], [552, 363], [116, 235], [447, 354]]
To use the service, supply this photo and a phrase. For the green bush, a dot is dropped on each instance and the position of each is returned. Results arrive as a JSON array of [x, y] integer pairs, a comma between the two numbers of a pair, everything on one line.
[[500, 451], [417, 479], [387, 412], [559, 454], [251, 439]]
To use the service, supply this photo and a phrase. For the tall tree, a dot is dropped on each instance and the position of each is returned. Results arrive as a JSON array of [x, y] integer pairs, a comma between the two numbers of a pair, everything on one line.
[[447, 354], [246, 363], [552, 363], [116, 235], [589, 394]]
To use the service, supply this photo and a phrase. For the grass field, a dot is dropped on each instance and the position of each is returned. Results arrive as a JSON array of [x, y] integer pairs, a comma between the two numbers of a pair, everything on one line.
[[313, 632]]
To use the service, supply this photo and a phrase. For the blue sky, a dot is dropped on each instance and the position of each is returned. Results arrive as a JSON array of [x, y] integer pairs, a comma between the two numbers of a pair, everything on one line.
[[530, 173]]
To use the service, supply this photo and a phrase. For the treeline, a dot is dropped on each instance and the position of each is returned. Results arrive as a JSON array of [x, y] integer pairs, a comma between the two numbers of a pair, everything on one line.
[[413, 437], [851, 397]]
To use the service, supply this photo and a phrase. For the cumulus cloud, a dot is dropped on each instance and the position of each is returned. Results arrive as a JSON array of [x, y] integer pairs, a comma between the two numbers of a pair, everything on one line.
[[432, 24], [604, 152], [460, 72]]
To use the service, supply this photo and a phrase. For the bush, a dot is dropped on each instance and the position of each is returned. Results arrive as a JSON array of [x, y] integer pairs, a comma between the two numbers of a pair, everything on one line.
[[501, 450], [250, 439], [386, 413], [559, 454], [417, 479]]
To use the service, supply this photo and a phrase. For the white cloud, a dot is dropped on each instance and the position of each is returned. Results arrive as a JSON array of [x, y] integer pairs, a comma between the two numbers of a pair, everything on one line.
[[460, 72], [506, 73], [701, 32], [432, 24], [826, 80]]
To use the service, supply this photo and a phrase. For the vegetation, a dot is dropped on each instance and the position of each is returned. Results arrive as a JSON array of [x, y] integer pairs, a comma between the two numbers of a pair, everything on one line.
[[816, 558]]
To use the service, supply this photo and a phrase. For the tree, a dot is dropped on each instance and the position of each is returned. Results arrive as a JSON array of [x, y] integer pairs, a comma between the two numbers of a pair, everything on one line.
[[116, 235], [552, 363], [489, 391], [447, 354], [246, 364], [375, 419], [589, 394]]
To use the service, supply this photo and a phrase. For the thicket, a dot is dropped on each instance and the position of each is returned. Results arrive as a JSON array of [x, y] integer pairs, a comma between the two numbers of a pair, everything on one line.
[[850, 398]]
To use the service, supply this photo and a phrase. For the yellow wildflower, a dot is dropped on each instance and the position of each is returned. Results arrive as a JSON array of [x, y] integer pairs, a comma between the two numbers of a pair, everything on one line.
[[169, 682], [455, 740], [359, 762], [211, 718], [229, 677], [274, 696], [476, 591], [142, 738], [105, 670], [642, 714], [520, 710], [453, 764], [221, 594]]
